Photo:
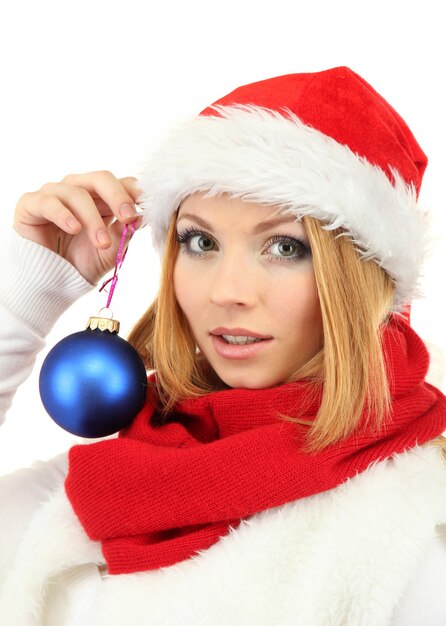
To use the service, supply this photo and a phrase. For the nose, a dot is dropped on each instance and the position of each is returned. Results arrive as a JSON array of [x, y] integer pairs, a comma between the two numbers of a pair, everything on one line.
[[233, 283]]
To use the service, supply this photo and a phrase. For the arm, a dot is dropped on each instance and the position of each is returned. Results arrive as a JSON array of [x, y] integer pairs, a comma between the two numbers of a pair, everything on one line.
[[38, 286], [55, 255]]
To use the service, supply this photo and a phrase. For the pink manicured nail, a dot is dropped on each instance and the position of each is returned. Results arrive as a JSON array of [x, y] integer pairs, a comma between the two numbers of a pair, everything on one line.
[[127, 211], [71, 223]]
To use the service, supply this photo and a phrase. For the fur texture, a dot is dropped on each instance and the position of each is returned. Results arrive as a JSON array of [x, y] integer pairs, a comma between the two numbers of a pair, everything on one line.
[[262, 156], [342, 557]]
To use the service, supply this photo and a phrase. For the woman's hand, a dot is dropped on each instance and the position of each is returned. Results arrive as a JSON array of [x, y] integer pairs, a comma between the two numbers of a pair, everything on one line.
[[81, 218]]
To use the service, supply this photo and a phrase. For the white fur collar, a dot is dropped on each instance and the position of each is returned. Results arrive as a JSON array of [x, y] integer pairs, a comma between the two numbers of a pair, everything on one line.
[[342, 557]]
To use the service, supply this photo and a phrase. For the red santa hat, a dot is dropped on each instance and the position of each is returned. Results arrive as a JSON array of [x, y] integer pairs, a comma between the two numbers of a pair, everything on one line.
[[323, 144]]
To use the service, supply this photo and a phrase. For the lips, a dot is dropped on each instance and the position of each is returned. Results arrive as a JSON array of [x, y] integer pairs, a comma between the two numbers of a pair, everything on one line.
[[238, 351], [240, 332]]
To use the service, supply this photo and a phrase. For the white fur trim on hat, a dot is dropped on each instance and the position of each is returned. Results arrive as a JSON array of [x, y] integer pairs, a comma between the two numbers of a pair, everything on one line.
[[262, 156]]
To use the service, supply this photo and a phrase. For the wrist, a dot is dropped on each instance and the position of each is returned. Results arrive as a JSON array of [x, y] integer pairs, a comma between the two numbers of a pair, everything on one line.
[[39, 284]]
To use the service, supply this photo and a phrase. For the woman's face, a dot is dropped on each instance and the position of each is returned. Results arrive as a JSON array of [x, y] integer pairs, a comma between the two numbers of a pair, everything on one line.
[[238, 274]]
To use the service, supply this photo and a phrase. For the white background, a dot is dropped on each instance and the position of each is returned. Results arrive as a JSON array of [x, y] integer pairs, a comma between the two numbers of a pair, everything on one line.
[[92, 85]]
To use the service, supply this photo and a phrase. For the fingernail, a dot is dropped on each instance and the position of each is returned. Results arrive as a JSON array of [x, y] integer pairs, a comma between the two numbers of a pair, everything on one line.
[[71, 223], [127, 210], [137, 223], [102, 236]]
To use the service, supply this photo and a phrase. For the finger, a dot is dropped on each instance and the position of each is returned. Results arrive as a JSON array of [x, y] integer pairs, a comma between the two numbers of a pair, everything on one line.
[[82, 206], [117, 228], [130, 184], [117, 195], [34, 209]]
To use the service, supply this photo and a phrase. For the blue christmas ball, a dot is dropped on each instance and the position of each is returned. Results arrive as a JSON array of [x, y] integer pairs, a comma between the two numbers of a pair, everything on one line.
[[93, 383]]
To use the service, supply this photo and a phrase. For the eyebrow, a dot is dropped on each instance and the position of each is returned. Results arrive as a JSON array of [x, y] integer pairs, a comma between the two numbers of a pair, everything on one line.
[[260, 228]]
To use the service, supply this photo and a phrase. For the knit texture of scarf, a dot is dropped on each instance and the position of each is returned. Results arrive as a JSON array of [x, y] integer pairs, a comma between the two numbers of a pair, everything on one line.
[[158, 493]]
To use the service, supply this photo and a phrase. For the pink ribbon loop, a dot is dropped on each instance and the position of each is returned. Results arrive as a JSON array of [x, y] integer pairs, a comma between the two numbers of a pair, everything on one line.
[[118, 264]]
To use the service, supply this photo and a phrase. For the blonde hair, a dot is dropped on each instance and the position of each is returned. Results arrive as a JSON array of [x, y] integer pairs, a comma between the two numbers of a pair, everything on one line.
[[355, 298]]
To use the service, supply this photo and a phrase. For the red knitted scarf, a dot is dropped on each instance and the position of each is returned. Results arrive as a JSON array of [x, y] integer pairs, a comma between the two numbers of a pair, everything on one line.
[[158, 493]]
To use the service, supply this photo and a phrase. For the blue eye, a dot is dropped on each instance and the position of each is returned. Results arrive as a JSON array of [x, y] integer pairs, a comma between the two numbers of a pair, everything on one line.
[[284, 248], [289, 248], [195, 242], [204, 243], [187, 236]]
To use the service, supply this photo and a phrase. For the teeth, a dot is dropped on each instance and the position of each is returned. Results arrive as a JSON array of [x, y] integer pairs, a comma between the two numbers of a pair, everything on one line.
[[240, 340]]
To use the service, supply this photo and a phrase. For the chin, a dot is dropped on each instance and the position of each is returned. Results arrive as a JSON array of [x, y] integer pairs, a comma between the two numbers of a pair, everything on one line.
[[248, 381]]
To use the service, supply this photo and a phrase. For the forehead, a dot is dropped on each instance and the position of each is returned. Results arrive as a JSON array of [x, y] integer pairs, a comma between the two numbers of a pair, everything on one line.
[[225, 206]]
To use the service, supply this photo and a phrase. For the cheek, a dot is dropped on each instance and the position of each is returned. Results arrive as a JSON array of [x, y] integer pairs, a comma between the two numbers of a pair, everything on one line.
[[297, 309]]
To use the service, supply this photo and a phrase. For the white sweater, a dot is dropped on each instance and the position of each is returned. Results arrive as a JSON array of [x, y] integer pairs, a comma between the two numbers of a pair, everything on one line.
[[371, 552]]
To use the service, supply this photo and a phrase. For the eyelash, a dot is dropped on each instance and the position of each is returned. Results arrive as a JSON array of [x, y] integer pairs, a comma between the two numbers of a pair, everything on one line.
[[303, 251]]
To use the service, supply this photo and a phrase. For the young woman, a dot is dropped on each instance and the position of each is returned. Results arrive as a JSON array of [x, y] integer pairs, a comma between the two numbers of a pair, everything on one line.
[[288, 465]]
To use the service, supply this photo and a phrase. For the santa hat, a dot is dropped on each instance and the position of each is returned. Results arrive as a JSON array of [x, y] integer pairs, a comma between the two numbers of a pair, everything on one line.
[[323, 144]]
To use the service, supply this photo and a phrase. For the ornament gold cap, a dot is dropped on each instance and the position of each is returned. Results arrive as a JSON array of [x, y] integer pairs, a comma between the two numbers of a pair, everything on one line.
[[103, 323]]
